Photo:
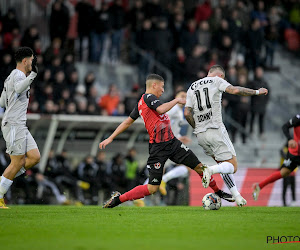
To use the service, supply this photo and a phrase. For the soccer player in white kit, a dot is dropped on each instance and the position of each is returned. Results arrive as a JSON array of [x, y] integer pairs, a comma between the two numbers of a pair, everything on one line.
[[203, 113], [21, 146]]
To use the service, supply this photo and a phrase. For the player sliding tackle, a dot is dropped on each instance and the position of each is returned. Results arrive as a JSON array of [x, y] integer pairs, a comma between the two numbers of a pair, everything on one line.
[[163, 145], [203, 113]]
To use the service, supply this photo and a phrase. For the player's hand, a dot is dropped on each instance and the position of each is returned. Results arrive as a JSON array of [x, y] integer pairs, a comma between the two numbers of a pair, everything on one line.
[[292, 143], [263, 91], [104, 143], [181, 100], [33, 65]]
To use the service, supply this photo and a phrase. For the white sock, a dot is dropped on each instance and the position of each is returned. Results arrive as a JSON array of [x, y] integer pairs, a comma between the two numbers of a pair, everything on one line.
[[4, 186], [222, 168], [180, 171], [22, 171], [230, 183]]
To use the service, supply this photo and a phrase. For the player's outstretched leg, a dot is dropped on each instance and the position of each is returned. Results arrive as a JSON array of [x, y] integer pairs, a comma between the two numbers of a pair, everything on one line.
[[223, 195], [270, 179], [134, 194], [230, 183]]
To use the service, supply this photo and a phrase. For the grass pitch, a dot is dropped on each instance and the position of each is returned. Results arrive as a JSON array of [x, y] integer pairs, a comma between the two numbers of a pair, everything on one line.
[[91, 227]]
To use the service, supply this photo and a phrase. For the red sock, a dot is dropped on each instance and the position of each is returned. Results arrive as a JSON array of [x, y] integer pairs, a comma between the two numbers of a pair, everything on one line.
[[135, 193], [212, 184], [273, 177]]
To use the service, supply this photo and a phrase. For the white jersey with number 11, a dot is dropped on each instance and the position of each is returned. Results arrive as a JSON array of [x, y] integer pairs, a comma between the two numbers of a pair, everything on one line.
[[204, 97]]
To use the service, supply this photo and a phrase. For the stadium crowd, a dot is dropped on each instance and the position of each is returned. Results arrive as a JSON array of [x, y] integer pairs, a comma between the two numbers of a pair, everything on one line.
[[241, 35]]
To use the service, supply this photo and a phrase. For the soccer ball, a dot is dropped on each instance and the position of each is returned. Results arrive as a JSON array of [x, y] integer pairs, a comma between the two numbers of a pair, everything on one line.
[[211, 201]]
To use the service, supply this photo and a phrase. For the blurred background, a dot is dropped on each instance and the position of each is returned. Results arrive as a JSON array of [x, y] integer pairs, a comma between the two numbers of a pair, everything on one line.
[[93, 57]]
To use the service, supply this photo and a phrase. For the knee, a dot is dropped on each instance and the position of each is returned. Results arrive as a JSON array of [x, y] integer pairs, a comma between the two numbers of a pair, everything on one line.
[[153, 188], [235, 168]]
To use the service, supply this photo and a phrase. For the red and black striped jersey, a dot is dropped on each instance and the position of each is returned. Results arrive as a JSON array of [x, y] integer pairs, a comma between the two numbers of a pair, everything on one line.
[[293, 123], [158, 126]]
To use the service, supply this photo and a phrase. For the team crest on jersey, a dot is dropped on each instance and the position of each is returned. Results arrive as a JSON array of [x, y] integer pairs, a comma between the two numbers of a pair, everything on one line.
[[157, 165]]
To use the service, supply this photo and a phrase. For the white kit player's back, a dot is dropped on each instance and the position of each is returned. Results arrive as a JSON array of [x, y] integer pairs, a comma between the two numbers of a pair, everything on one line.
[[205, 96]]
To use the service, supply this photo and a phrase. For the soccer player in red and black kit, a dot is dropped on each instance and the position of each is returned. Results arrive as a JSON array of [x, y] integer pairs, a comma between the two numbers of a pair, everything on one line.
[[163, 145], [292, 159]]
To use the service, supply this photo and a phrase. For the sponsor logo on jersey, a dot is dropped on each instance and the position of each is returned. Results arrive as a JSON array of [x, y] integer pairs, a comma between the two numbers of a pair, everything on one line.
[[201, 82], [204, 117], [149, 95], [154, 102], [157, 165], [155, 180]]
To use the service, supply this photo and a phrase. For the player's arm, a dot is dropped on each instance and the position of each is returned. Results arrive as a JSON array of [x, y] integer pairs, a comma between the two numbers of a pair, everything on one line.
[[22, 84], [188, 110], [237, 90], [163, 108], [294, 122], [2, 99], [121, 128], [188, 114]]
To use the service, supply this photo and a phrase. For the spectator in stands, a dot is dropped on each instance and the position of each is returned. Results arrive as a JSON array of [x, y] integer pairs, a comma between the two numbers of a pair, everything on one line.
[[54, 50], [203, 11], [204, 34], [72, 81], [144, 41], [7, 65], [253, 43], [87, 171], [109, 102], [215, 20], [30, 36], [85, 23], [132, 168], [240, 65], [195, 64], [260, 14], [118, 22], [58, 85], [243, 108], [178, 66], [64, 100], [89, 81], [131, 99], [271, 38], [10, 21], [68, 63], [71, 108], [117, 172], [189, 37], [100, 32], [80, 94], [82, 107], [59, 21], [176, 27], [259, 105], [103, 174]]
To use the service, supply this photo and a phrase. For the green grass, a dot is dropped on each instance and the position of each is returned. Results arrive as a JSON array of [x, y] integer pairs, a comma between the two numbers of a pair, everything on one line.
[[91, 227]]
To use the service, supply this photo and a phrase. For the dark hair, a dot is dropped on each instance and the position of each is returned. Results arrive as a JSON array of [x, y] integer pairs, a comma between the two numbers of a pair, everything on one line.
[[22, 53], [216, 67], [154, 77]]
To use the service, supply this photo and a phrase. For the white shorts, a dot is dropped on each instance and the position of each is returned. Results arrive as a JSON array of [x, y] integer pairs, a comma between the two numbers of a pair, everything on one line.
[[18, 139], [216, 143]]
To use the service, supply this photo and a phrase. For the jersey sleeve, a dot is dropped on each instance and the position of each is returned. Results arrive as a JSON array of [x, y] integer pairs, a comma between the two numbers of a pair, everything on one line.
[[294, 122], [135, 113], [222, 84], [21, 83], [2, 99], [189, 99], [152, 101]]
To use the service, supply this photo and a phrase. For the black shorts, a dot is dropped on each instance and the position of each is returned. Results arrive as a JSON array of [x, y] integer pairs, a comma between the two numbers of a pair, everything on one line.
[[291, 161], [174, 150]]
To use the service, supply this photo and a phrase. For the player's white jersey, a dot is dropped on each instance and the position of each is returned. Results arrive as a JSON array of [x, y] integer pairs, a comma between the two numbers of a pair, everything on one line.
[[15, 102], [176, 117], [205, 96]]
